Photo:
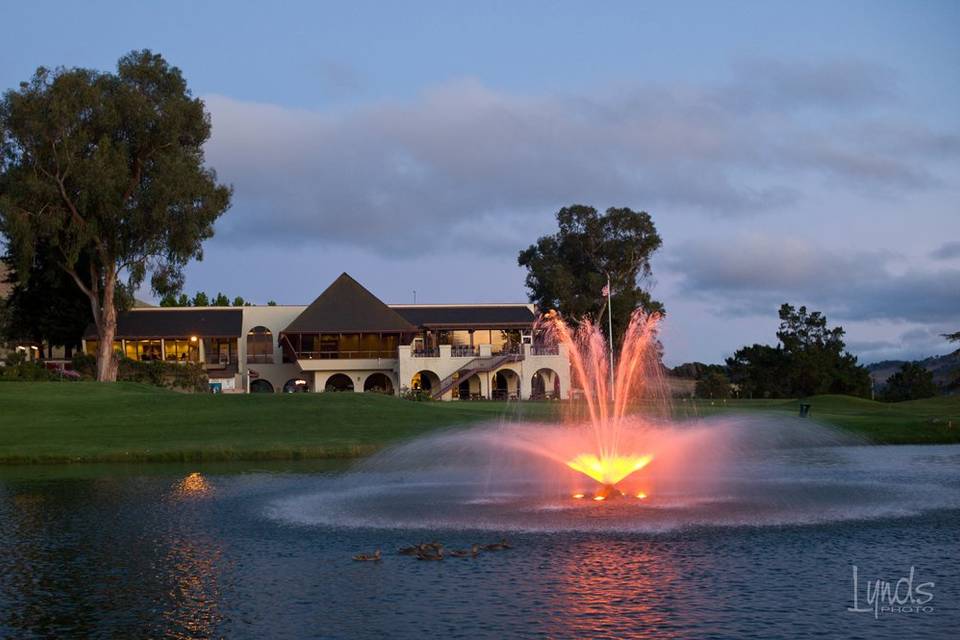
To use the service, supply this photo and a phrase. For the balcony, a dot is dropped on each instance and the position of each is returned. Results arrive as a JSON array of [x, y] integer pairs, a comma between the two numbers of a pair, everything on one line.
[[346, 355]]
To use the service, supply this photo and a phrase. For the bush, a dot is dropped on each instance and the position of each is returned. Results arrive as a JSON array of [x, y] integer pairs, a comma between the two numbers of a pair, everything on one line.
[[185, 376], [714, 386], [20, 369], [418, 395]]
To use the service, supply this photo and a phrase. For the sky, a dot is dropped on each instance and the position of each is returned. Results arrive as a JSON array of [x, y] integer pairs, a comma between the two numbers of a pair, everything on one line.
[[788, 152]]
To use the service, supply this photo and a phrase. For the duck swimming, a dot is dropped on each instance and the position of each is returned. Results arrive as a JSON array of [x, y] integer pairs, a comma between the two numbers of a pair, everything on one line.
[[472, 552], [368, 557], [497, 546], [433, 551]]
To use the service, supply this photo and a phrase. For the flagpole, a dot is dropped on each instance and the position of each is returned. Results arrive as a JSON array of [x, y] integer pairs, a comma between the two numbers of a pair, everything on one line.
[[610, 334]]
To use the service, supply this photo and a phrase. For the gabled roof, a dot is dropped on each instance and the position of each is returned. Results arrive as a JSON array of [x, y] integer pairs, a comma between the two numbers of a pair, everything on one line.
[[169, 322], [346, 306], [481, 316]]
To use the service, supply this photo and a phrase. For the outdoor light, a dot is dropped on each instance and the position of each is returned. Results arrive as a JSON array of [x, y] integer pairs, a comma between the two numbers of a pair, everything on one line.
[[193, 338]]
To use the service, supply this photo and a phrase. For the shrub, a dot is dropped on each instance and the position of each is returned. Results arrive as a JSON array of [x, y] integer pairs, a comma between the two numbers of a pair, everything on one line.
[[19, 368]]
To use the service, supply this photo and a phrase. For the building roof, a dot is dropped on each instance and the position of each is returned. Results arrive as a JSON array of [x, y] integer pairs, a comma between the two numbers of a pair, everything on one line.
[[175, 322], [467, 316], [346, 306]]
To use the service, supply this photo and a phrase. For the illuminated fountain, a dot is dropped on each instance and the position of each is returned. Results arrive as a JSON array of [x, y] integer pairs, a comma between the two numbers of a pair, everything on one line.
[[667, 465], [609, 454]]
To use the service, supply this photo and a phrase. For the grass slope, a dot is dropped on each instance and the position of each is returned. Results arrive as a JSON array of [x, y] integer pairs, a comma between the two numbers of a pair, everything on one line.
[[916, 422], [90, 422], [123, 422]]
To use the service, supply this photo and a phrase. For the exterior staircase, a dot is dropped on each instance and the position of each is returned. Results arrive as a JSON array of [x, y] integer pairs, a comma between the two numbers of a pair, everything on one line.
[[477, 365]]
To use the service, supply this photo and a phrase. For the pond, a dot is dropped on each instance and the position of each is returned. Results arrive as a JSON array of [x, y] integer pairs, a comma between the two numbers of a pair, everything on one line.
[[208, 551]]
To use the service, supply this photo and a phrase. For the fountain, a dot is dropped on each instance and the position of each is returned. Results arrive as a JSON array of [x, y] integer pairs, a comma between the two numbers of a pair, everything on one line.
[[619, 461]]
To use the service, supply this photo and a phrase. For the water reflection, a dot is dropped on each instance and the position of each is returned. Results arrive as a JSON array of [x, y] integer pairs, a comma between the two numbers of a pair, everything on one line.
[[614, 589], [157, 571], [194, 485]]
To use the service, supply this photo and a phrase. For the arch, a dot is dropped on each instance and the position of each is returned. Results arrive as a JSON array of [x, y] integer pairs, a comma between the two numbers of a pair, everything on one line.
[[260, 386], [470, 388], [545, 385], [339, 382], [260, 345], [425, 380], [378, 383], [505, 385], [296, 385]]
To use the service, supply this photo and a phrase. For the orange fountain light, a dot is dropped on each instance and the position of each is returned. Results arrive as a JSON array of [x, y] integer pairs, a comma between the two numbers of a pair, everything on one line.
[[608, 470]]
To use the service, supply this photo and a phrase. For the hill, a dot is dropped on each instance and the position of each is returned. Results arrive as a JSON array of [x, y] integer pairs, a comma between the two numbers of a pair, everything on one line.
[[945, 368]]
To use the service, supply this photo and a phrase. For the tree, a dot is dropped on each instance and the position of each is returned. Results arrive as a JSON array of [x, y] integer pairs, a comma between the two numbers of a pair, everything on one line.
[[109, 166], [238, 301], [818, 362], [912, 382], [200, 300], [810, 359], [45, 306], [761, 371], [567, 271], [221, 300], [714, 385], [271, 303]]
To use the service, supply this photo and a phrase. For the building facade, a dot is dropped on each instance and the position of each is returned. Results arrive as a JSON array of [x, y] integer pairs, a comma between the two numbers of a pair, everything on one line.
[[348, 340]]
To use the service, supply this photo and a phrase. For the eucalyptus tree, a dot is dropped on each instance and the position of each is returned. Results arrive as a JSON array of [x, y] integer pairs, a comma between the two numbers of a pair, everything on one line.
[[107, 169], [568, 270]]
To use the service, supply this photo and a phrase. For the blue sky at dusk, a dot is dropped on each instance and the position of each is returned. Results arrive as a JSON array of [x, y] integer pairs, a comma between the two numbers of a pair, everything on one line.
[[788, 152]]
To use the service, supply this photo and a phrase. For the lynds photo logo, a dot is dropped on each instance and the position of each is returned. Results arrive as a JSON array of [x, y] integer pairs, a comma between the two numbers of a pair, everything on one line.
[[906, 595]]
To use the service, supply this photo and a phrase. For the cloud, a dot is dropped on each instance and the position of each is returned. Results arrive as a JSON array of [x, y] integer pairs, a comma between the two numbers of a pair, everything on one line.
[[946, 251], [754, 274], [464, 167]]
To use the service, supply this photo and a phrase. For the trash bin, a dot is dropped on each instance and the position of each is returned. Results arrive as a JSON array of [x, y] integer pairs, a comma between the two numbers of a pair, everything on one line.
[[804, 410]]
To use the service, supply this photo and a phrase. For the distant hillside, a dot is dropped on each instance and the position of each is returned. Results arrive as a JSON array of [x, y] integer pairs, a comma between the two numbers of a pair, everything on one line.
[[944, 368]]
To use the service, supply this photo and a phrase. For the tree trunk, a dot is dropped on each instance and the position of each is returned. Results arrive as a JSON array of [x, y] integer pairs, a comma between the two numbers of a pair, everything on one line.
[[106, 330]]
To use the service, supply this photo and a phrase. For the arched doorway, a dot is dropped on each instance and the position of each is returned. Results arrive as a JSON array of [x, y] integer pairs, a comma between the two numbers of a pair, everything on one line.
[[425, 381], [505, 385], [260, 346], [545, 385], [260, 386], [378, 383], [296, 385], [339, 382], [469, 388]]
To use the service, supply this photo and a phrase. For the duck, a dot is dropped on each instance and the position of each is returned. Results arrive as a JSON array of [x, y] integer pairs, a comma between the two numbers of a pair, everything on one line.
[[368, 557], [472, 552], [497, 546], [430, 552], [409, 551]]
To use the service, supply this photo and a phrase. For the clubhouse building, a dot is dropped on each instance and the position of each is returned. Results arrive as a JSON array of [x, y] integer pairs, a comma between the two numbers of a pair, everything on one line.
[[348, 340]]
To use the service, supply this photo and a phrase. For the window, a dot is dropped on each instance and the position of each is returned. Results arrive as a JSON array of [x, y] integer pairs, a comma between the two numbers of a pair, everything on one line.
[[260, 346]]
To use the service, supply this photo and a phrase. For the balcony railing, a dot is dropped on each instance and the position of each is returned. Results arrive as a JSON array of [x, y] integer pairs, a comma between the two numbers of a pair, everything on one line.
[[425, 353], [544, 350], [464, 351], [259, 358], [347, 355]]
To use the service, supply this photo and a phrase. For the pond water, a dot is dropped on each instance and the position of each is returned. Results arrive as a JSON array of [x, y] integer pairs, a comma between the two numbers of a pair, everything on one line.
[[260, 551]]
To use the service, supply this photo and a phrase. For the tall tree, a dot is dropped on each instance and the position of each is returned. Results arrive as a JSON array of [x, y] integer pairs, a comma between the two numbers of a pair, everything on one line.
[[810, 359], [568, 270], [45, 306], [911, 382], [108, 166]]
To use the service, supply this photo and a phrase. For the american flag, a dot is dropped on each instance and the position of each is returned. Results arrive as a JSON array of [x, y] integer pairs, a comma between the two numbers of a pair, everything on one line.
[[606, 291]]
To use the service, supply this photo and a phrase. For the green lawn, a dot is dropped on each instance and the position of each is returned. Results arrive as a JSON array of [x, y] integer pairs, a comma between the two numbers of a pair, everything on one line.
[[931, 421], [65, 422], [90, 422]]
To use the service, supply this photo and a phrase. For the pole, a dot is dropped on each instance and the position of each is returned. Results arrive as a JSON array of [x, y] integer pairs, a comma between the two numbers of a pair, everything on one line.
[[610, 334]]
